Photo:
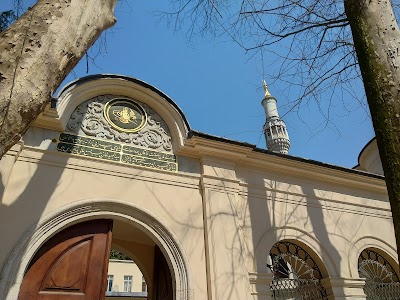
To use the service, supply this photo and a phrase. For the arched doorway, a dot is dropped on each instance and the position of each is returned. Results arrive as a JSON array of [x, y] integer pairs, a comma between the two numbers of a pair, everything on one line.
[[73, 263], [14, 270]]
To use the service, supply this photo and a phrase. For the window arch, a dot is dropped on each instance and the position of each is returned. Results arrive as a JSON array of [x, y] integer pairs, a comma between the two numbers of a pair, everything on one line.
[[296, 275], [381, 277]]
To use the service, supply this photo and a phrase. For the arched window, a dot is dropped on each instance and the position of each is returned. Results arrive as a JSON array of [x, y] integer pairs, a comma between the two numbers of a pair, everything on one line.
[[295, 273], [382, 280]]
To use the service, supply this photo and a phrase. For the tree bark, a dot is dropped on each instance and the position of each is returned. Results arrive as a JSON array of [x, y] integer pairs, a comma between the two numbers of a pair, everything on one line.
[[377, 41], [38, 51]]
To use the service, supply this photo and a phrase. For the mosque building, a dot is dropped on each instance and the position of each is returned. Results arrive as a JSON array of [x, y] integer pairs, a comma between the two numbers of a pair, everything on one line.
[[114, 164]]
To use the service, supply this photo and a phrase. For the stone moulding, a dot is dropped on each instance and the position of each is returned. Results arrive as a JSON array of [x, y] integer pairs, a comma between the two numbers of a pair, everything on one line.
[[13, 270], [286, 233], [365, 242]]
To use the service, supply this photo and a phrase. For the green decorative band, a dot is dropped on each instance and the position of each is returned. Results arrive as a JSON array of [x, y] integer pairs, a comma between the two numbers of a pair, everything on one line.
[[148, 153], [148, 162], [110, 151], [88, 142], [86, 151]]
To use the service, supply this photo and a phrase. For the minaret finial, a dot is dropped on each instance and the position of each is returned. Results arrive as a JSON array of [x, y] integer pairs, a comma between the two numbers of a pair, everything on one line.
[[266, 92]]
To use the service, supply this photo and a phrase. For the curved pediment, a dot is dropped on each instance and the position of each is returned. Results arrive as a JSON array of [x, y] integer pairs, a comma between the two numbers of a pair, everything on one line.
[[81, 104], [117, 119]]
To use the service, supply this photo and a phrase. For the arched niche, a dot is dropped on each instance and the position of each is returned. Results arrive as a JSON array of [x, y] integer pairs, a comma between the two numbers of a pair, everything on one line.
[[297, 272], [301, 237], [369, 242], [381, 274], [13, 271], [384, 264]]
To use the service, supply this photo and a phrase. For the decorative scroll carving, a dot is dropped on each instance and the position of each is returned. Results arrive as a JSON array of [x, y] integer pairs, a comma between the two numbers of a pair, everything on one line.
[[88, 119]]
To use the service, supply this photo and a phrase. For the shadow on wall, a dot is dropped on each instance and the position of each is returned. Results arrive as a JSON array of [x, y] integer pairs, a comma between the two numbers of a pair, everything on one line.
[[273, 212], [225, 248], [315, 213], [259, 221], [27, 204], [227, 238]]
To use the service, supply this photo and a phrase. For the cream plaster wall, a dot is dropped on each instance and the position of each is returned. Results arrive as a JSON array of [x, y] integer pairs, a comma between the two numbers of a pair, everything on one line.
[[328, 218], [223, 210], [42, 183]]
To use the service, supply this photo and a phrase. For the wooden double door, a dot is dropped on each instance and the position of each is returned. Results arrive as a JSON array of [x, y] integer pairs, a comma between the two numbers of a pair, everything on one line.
[[73, 265]]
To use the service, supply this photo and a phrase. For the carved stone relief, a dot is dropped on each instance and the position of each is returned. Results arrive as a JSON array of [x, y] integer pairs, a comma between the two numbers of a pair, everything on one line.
[[88, 119]]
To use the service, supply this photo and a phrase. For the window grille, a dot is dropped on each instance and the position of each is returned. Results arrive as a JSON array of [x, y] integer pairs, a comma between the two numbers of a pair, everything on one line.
[[127, 283], [296, 275], [381, 280]]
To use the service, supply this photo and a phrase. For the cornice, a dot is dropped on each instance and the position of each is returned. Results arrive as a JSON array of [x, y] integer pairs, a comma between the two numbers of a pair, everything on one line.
[[315, 171], [199, 145], [48, 119]]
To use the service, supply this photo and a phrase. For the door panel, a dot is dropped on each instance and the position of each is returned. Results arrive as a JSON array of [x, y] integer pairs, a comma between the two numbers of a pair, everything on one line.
[[162, 285], [71, 265]]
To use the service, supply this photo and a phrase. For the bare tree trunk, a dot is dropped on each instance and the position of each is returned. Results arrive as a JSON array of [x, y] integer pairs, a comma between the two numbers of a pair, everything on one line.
[[377, 41], [38, 51]]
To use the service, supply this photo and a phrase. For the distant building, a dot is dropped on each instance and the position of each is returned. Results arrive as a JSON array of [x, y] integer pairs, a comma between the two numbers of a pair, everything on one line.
[[116, 165], [124, 279]]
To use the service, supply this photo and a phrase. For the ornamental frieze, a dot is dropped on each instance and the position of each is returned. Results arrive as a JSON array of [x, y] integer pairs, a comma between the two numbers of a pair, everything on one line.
[[115, 152]]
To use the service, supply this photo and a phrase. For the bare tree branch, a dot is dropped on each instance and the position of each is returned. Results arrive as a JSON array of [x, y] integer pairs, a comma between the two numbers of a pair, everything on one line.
[[316, 53]]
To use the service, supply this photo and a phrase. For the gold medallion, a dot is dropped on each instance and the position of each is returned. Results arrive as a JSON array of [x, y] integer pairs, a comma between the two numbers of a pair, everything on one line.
[[125, 115]]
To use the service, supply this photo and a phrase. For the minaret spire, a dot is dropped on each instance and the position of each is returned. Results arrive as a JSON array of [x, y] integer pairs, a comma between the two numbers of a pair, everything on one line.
[[275, 131]]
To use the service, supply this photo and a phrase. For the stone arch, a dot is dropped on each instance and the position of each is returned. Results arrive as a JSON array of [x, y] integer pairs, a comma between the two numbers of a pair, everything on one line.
[[369, 242], [297, 272], [303, 239], [311, 252], [77, 212]]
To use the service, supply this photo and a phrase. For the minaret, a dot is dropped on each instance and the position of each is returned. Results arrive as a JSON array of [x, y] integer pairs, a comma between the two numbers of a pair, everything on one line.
[[275, 130]]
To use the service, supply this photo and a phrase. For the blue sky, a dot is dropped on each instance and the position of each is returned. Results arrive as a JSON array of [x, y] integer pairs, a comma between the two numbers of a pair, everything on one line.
[[218, 86]]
